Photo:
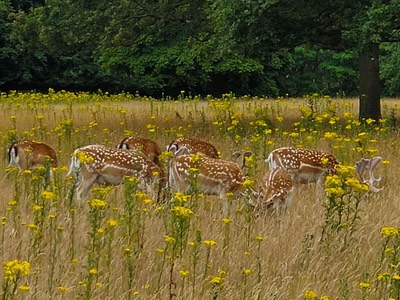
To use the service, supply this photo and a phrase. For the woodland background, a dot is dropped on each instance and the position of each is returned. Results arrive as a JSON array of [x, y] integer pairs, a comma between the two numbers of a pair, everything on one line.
[[160, 48]]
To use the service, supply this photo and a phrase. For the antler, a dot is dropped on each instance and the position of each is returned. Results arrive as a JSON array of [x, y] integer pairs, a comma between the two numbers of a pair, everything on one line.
[[369, 165]]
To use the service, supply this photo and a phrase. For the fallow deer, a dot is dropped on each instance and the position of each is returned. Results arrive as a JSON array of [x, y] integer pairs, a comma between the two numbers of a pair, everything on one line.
[[194, 146], [147, 146], [98, 164], [368, 165], [213, 176], [276, 190], [304, 165], [26, 154]]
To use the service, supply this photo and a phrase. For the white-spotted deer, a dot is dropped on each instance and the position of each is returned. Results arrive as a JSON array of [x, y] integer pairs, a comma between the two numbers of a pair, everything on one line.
[[147, 146], [276, 191], [98, 164], [304, 165], [193, 146], [213, 176], [368, 165], [27, 154]]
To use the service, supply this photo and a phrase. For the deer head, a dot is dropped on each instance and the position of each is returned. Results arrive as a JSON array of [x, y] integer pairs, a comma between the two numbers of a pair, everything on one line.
[[368, 165], [98, 164], [147, 146], [194, 146], [275, 192], [26, 154]]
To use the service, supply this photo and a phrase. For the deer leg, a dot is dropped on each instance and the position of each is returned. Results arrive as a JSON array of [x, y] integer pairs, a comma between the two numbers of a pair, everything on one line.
[[84, 187], [224, 203]]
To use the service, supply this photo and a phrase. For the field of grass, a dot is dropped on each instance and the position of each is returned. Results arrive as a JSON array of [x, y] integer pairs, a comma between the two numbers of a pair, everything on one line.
[[123, 245]]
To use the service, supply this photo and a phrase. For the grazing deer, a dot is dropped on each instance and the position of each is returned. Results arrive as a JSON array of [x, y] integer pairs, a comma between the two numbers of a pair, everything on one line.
[[98, 164], [147, 146], [193, 146], [26, 154], [304, 165], [213, 176], [368, 165], [276, 191]]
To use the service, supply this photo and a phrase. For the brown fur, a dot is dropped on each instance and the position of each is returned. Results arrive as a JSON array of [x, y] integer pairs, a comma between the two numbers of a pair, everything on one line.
[[26, 154]]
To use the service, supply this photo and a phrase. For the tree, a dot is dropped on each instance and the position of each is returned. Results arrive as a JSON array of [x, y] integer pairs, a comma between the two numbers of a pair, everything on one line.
[[257, 28]]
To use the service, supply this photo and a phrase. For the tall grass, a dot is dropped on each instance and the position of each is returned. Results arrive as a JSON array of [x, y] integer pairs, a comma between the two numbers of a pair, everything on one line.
[[121, 244]]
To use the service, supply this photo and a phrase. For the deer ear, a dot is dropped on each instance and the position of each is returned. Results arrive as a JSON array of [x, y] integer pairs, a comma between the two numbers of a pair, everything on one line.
[[236, 155], [172, 148], [247, 154]]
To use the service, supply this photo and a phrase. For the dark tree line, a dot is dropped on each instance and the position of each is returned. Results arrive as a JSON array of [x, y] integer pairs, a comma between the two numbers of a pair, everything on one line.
[[268, 48]]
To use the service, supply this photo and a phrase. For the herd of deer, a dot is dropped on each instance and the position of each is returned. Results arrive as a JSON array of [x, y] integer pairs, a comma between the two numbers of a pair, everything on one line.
[[139, 157]]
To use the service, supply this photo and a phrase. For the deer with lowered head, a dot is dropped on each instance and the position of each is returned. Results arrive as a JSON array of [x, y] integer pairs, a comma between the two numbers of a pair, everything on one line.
[[193, 146], [304, 165], [26, 154], [149, 147], [275, 191], [98, 164], [214, 176]]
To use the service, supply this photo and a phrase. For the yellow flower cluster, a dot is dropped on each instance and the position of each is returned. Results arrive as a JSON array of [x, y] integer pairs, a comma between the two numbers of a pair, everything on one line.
[[210, 243], [182, 211], [49, 196], [14, 269], [389, 231], [98, 204], [310, 295], [83, 158], [343, 182], [180, 198]]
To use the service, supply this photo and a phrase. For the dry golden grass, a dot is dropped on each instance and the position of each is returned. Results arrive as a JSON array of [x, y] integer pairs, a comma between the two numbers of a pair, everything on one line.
[[256, 257]]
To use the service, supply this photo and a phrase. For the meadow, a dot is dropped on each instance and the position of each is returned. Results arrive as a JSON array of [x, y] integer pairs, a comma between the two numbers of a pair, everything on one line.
[[121, 244]]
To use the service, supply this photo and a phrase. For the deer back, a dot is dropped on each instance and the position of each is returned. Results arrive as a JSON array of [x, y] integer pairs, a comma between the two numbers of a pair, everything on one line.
[[215, 176], [305, 165], [194, 146], [147, 146], [26, 154]]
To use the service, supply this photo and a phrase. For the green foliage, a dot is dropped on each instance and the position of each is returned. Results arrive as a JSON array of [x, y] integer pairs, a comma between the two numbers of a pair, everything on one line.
[[312, 69], [202, 47], [390, 75]]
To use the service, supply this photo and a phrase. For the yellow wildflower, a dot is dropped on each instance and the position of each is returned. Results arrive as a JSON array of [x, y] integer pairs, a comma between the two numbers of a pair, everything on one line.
[[389, 231], [216, 280], [97, 203], [24, 288], [365, 285], [310, 295], [14, 269], [182, 211], [210, 243]]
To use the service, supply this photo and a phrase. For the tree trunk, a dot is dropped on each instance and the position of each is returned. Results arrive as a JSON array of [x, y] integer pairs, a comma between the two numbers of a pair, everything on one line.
[[370, 102]]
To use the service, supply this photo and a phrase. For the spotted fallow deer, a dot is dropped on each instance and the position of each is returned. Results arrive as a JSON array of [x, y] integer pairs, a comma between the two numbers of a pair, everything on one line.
[[98, 164], [149, 147], [25, 154], [304, 165], [193, 146], [276, 191], [213, 176]]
